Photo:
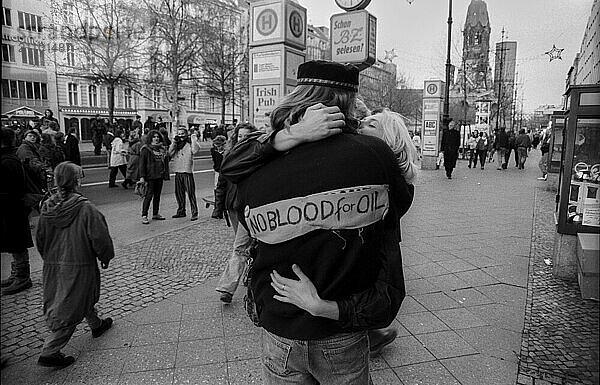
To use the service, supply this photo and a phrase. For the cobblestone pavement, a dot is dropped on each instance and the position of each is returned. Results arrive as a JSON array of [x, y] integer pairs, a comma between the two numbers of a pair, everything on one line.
[[561, 334], [141, 273]]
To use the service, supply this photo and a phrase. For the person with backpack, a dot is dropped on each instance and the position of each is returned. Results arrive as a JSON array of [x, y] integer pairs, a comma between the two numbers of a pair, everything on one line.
[[15, 234]]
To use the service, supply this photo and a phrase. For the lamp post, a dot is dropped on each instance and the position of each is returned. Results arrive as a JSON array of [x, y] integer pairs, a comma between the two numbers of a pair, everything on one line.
[[446, 109]]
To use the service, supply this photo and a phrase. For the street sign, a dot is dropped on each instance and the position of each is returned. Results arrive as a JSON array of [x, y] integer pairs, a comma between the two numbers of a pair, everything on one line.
[[353, 37], [278, 21], [430, 130]]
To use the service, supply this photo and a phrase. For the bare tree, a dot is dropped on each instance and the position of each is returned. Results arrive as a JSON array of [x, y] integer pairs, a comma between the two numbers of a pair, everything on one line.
[[223, 61], [105, 35], [178, 30]]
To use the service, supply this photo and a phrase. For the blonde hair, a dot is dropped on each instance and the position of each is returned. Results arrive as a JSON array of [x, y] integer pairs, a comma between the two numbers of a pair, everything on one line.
[[291, 109], [393, 131]]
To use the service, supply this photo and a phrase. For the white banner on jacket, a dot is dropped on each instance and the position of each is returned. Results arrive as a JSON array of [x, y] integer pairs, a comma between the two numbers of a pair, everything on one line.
[[347, 208]]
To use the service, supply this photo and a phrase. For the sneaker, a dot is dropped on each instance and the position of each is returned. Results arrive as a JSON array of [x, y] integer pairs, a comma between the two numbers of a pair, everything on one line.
[[499, 168], [7, 282], [381, 338], [226, 297], [178, 216], [543, 177], [17, 287], [158, 217], [482, 167], [104, 326], [194, 218], [56, 360], [145, 220]]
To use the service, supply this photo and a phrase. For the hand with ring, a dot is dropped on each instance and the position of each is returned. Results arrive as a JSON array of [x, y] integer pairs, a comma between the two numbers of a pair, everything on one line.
[[301, 293]]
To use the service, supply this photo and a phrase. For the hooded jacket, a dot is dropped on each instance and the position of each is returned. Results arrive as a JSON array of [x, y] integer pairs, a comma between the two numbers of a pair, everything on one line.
[[72, 234]]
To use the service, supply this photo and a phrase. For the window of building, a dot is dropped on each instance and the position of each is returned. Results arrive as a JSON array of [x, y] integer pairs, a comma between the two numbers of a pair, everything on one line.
[[5, 88], [37, 93], [212, 104], [30, 22], [127, 98], [8, 53], [22, 93], [93, 96], [72, 89], [193, 101], [6, 20], [68, 13], [156, 99], [14, 91], [44, 89], [70, 55], [32, 56], [29, 90]]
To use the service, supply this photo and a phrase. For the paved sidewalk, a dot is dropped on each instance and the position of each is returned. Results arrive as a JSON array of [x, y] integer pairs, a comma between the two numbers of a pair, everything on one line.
[[475, 312]]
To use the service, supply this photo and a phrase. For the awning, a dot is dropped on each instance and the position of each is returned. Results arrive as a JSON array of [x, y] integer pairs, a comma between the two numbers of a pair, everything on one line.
[[24, 112], [196, 119]]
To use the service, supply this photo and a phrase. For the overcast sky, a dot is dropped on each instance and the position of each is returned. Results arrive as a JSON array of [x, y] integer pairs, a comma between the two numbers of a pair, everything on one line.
[[417, 32]]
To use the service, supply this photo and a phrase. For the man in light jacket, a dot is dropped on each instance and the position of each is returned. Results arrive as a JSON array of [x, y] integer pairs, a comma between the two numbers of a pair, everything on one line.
[[182, 151]]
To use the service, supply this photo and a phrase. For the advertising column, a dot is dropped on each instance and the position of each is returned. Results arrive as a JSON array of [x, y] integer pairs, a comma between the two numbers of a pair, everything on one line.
[[433, 98], [277, 45]]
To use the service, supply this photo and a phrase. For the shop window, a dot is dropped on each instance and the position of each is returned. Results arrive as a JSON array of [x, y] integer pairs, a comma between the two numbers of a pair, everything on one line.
[[93, 96], [8, 53], [6, 20], [73, 92]]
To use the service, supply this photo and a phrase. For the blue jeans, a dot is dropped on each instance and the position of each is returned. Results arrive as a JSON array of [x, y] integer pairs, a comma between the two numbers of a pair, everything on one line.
[[341, 359]]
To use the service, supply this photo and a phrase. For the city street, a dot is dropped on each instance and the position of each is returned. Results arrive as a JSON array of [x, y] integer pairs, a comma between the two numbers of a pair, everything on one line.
[[481, 308]]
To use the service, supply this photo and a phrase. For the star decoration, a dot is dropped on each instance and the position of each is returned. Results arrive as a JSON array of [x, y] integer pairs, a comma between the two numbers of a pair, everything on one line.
[[390, 55], [554, 53]]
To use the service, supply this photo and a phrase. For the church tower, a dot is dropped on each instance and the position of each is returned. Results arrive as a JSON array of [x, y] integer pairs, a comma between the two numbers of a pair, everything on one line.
[[476, 44]]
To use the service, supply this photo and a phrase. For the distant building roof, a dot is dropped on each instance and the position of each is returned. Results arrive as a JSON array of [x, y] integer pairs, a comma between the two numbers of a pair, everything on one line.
[[477, 14]]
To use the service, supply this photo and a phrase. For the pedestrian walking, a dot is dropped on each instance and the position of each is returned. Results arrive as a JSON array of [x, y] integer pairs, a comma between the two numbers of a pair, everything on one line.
[[182, 152], [512, 146], [71, 235], [321, 250], [137, 126], [216, 152], [523, 143], [98, 129], [72, 153], [450, 144], [118, 160], [545, 149], [15, 234], [481, 149], [226, 200], [472, 146], [154, 169], [133, 161], [416, 139], [501, 145]]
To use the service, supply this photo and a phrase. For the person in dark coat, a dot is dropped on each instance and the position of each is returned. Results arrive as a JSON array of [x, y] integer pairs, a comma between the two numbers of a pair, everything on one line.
[[154, 169], [72, 147], [72, 235], [523, 144], [15, 234], [98, 131], [450, 144], [137, 126], [501, 145], [49, 121]]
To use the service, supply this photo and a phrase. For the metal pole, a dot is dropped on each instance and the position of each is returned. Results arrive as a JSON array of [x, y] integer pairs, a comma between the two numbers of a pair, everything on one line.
[[446, 114]]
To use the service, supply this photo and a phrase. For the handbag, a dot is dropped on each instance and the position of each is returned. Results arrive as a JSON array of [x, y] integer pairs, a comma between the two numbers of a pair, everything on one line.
[[140, 188], [249, 304]]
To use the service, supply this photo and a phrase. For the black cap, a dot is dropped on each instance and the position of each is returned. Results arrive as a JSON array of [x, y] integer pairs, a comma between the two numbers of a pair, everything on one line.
[[328, 74]]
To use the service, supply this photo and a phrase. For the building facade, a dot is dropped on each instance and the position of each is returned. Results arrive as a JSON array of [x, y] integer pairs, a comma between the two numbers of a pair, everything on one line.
[[586, 66], [28, 87], [318, 46], [504, 81]]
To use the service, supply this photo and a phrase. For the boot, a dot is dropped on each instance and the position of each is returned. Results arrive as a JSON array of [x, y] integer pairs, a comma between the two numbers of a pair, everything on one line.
[[8, 281], [21, 279]]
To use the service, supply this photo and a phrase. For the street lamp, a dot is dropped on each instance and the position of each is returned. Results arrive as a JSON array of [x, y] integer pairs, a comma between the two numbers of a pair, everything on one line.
[[446, 108]]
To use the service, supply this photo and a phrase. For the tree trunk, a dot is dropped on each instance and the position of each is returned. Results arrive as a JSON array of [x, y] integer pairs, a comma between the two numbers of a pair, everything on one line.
[[223, 104], [175, 107], [111, 102]]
